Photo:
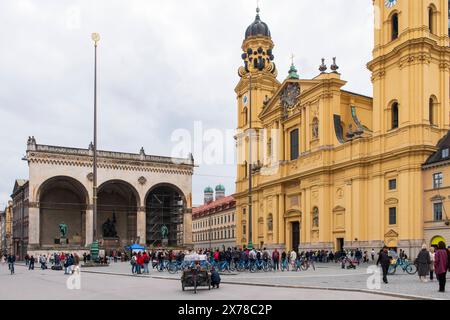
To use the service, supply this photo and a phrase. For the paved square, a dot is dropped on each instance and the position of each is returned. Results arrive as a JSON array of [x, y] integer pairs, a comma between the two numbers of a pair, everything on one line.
[[116, 282]]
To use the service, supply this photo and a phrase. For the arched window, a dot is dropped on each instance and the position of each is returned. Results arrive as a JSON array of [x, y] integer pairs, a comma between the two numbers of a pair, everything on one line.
[[394, 120], [394, 26], [431, 111], [431, 19], [315, 217], [245, 111], [294, 144]]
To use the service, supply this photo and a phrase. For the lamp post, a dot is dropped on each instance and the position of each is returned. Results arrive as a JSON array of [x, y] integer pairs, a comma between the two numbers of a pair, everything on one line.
[[96, 39], [250, 227]]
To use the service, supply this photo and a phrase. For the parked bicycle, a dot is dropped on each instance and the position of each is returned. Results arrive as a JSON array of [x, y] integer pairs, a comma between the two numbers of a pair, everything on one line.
[[405, 265]]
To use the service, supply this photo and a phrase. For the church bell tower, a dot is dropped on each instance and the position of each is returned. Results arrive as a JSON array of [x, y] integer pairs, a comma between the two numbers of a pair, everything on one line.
[[410, 69]]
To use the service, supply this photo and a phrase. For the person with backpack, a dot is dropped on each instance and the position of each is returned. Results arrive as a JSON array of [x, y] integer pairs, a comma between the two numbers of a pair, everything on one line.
[[276, 260]]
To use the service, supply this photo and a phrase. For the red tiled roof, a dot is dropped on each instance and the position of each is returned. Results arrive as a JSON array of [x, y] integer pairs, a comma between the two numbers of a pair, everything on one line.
[[204, 209]]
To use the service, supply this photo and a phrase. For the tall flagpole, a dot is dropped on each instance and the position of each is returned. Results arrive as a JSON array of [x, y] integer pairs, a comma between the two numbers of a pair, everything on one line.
[[250, 200], [96, 39]]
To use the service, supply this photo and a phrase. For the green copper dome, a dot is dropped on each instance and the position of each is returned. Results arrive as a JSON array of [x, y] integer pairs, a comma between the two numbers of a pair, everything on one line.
[[209, 190], [220, 187]]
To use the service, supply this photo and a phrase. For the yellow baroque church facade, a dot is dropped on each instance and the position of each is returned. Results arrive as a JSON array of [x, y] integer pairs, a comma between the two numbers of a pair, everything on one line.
[[331, 168]]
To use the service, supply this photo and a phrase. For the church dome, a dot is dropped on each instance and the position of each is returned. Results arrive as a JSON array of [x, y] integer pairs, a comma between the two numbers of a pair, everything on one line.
[[220, 187], [257, 28], [209, 190]]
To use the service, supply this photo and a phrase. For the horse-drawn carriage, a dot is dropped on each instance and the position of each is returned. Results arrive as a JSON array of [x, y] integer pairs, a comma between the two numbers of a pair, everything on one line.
[[196, 275]]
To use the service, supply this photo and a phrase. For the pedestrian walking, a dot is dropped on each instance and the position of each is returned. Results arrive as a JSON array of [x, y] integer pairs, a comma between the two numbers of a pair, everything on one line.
[[31, 263], [11, 261], [146, 258], [432, 258], [385, 261], [423, 262], [441, 265], [293, 258], [133, 263], [276, 260], [373, 254]]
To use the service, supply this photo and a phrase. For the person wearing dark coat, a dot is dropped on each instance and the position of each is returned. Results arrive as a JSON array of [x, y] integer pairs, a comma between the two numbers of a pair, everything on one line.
[[385, 261], [215, 278], [423, 262]]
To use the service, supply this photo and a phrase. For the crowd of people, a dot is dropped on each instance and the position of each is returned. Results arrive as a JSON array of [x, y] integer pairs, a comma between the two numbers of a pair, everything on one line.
[[431, 263]]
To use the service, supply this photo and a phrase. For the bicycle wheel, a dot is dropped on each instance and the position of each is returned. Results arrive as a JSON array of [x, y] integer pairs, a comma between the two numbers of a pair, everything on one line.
[[304, 266], [411, 269], [392, 269], [172, 268]]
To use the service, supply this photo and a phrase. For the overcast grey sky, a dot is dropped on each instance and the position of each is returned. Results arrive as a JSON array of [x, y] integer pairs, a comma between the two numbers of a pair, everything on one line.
[[163, 64]]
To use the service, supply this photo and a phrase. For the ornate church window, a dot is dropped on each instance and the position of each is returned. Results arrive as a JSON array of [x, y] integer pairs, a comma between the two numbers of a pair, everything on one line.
[[315, 217], [315, 128]]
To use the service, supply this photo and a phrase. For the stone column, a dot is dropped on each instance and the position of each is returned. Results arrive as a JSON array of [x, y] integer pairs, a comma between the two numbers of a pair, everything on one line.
[[187, 230], [141, 226], [89, 226], [33, 226]]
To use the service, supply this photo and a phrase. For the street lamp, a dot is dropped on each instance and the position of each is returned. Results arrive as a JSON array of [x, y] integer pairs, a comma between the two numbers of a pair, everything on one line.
[[96, 38], [250, 229]]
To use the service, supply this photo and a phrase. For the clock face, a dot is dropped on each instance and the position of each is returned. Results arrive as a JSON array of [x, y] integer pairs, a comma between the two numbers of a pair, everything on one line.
[[390, 3]]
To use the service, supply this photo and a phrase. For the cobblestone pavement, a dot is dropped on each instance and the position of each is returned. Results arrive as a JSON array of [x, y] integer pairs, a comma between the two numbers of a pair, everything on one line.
[[47, 284], [326, 276]]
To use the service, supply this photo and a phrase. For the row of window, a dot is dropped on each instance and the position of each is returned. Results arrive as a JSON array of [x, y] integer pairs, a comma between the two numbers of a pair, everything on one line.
[[395, 112], [431, 22], [213, 221], [215, 235]]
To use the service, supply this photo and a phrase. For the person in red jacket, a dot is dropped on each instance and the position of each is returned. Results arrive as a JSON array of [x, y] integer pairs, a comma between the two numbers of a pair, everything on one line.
[[441, 265], [140, 262]]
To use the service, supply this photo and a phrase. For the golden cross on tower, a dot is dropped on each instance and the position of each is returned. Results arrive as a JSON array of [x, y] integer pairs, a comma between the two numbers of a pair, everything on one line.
[[292, 58]]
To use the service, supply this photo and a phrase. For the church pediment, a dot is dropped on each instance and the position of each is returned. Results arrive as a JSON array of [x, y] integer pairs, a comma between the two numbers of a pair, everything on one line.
[[437, 198], [338, 209], [292, 213], [391, 234]]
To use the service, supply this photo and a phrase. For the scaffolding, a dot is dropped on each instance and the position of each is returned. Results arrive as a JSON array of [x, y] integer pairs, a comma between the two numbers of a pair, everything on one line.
[[165, 209]]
